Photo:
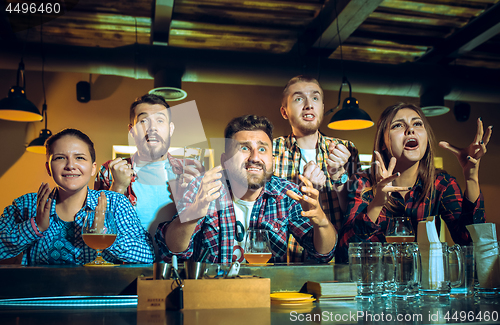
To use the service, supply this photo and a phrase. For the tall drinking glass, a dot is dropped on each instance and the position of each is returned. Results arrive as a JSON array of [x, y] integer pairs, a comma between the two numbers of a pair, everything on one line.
[[399, 230], [192, 157], [367, 267], [406, 278], [193, 154], [99, 233], [434, 270], [257, 247], [466, 289]]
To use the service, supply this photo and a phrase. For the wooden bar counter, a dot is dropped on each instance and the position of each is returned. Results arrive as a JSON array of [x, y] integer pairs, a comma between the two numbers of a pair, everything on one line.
[[107, 295]]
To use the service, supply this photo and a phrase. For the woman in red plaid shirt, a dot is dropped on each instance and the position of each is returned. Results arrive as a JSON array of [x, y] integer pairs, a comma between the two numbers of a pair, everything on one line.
[[404, 181]]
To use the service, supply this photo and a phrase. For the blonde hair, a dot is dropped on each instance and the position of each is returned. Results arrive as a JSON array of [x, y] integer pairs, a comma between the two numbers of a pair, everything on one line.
[[294, 80]]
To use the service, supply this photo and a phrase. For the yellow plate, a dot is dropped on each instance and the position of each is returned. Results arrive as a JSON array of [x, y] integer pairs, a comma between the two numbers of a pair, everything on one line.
[[290, 296], [293, 302]]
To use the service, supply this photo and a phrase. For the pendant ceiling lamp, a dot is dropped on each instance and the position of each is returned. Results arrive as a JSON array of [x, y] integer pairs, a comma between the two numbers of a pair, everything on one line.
[[16, 107], [167, 84], [38, 144], [350, 116], [432, 102]]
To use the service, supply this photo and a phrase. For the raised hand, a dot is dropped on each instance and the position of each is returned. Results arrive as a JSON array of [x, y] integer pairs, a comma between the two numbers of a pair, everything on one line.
[[100, 211], [315, 175], [382, 190], [122, 173], [338, 157], [191, 172], [309, 202], [43, 204], [385, 177], [207, 192], [470, 156]]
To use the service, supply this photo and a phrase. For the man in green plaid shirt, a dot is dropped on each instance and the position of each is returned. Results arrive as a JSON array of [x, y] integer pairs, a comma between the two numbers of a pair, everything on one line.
[[327, 162]]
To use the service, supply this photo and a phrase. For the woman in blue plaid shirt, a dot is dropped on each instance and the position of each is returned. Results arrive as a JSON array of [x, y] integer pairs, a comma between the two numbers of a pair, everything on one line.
[[47, 226], [404, 181]]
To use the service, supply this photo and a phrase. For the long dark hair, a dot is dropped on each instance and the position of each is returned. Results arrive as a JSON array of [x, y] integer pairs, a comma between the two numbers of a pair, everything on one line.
[[426, 169]]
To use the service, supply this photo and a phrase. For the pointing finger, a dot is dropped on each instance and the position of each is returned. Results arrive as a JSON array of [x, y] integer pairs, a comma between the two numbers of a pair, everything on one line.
[[389, 179], [487, 136], [479, 133], [472, 160], [395, 189], [293, 195], [306, 182], [449, 147], [101, 202], [392, 165], [378, 158]]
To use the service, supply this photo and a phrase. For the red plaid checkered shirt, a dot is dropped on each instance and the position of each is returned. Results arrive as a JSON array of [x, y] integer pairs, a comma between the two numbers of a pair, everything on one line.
[[446, 202], [273, 210]]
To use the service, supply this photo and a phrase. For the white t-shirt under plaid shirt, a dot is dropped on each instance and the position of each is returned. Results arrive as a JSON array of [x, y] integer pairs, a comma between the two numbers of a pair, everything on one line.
[[287, 157]]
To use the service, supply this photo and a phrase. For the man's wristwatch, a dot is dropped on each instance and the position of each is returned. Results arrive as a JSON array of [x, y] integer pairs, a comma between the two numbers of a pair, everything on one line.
[[342, 179]]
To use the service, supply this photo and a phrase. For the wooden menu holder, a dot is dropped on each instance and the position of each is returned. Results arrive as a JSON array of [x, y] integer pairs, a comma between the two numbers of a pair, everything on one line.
[[239, 292]]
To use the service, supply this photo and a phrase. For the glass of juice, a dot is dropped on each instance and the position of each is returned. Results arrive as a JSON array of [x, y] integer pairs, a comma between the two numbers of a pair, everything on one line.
[[257, 248], [99, 233], [399, 230]]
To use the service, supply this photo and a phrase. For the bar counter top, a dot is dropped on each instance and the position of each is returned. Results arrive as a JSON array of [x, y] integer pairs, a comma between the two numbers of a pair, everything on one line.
[[106, 295]]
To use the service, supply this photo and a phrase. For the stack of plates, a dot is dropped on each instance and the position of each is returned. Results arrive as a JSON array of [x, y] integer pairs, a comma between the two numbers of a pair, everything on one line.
[[291, 299]]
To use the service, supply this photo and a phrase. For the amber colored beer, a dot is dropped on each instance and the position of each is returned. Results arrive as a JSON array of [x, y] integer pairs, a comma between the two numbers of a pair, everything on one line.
[[99, 241], [258, 258], [400, 239]]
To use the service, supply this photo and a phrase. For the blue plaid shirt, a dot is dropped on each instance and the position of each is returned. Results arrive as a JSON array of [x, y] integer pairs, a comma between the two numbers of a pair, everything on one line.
[[273, 210], [62, 242]]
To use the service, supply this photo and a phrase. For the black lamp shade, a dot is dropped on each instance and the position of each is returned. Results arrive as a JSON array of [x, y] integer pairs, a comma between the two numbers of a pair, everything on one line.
[[432, 102], [168, 84], [17, 108], [350, 117], [38, 144]]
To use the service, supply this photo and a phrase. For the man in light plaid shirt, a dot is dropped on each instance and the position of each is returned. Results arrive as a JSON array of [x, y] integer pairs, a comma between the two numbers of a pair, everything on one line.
[[327, 162]]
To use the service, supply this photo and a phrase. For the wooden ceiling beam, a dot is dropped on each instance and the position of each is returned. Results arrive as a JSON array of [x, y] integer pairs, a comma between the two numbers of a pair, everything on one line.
[[416, 40], [353, 15], [322, 32], [237, 28], [161, 22], [269, 5], [467, 38]]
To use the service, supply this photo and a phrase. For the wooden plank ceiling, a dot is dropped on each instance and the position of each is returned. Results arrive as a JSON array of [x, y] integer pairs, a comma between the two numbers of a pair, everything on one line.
[[380, 31]]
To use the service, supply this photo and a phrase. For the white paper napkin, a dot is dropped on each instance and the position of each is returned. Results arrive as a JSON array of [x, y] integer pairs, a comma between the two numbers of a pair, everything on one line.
[[486, 254], [431, 252]]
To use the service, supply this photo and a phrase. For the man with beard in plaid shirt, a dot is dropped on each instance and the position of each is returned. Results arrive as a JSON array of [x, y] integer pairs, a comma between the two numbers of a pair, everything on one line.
[[220, 206]]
